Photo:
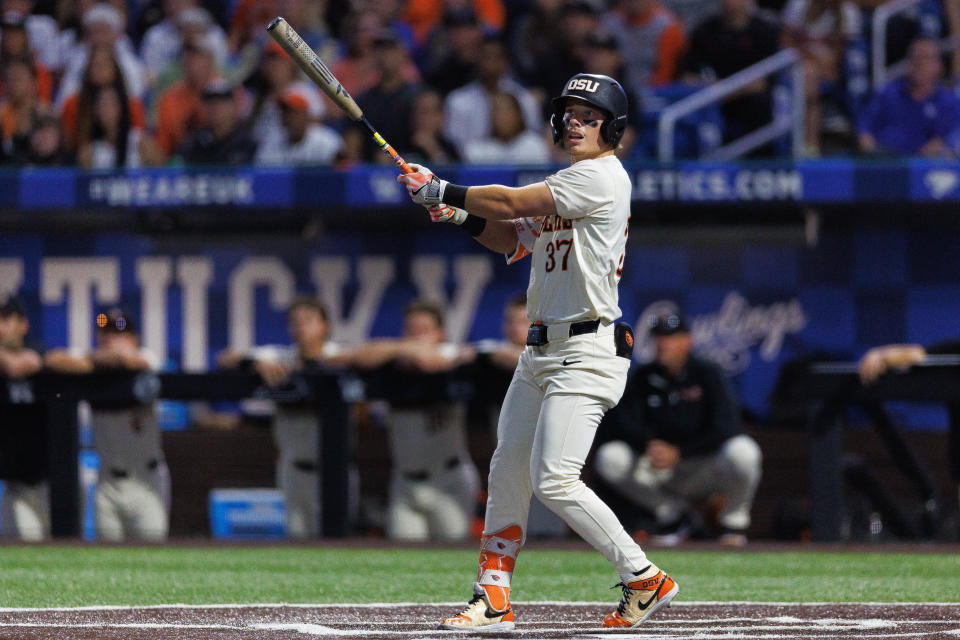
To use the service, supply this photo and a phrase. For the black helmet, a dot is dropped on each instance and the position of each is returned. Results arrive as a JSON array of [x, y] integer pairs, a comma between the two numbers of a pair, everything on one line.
[[600, 91]]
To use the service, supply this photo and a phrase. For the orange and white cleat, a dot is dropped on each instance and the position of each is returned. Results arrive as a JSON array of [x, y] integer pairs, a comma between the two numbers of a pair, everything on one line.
[[479, 616], [650, 590]]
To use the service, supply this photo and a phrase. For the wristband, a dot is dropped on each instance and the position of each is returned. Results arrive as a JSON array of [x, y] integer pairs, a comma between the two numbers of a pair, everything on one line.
[[474, 225], [455, 195]]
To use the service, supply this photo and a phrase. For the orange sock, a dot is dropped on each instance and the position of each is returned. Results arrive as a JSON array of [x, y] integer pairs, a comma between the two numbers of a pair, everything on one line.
[[498, 555]]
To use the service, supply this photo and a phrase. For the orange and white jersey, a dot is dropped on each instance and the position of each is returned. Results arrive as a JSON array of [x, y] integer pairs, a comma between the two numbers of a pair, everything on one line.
[[578, 254]]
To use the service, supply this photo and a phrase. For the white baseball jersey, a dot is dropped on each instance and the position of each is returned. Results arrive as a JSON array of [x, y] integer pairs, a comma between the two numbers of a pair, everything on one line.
[[578, 254]]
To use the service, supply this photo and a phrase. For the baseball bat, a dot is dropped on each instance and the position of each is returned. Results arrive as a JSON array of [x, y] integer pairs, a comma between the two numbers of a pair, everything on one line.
[[307, 59]]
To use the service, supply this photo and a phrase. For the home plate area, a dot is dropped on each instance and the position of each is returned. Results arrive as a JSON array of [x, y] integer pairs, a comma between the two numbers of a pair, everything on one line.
[[701, 620]]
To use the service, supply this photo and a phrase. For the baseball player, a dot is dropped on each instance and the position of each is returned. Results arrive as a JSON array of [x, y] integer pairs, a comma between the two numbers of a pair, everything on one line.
[[575, 365], [434, 482], [129, 500], [26, 501], [296, 428]]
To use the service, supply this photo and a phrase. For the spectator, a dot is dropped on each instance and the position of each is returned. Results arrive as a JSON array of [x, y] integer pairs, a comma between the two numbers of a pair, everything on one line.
[[388, 103], [603, 58], [20, 110], [677, 437], [278, 73], [106, 139], [102, 24], [651, 39], [183, 19], [468, 109], [357, 69], [913, 115], [578, 19], [296, 429], [45, 142], [180, 108], [425, 15], [728, 42], [389, 13], [79, 109], [454, 51], [133, 479], [23, 465], [819, 30], [249, 19], [302, 140], [15, 44], [879, 360], [225, 139], [429, 143], [434, 482], [42, 31], [509, 142], [535, 37]]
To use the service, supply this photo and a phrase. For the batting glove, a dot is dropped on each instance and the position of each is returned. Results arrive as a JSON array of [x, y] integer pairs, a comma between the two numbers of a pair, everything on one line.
[[424, 187], [445, 213]]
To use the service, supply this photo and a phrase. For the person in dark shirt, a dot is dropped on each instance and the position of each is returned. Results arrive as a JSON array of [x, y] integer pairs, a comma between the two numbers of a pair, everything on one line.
[[726, 43], [26, 504], [387, 103], [676, 437], [226, 140], [878, 360]]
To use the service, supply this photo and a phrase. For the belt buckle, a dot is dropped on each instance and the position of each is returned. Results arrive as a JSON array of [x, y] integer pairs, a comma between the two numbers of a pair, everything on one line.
[[537, 335]]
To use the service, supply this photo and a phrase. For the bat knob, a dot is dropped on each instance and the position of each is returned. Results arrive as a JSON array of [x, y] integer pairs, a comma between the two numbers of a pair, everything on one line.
[[273, 23]]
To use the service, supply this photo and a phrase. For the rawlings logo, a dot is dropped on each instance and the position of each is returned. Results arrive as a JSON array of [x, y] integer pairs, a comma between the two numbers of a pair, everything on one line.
[[582, 84]]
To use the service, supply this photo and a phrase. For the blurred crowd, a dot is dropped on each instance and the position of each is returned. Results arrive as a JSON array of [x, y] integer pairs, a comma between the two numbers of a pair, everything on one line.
[[113, 84]]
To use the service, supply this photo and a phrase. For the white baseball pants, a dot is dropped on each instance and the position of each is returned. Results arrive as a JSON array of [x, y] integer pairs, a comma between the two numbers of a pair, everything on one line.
[[734, 471], [26, 510], [547, 426]]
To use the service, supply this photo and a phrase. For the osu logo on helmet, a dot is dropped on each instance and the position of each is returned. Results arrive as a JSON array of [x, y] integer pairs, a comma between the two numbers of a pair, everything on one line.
[[582, 84]]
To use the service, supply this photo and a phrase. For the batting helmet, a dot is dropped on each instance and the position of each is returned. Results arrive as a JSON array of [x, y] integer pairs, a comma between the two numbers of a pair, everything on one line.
[[601, 91]]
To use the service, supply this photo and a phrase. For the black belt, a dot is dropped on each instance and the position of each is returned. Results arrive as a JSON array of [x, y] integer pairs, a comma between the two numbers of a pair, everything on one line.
[[119, 473], [537, 333], [307, 466], [422, 476]]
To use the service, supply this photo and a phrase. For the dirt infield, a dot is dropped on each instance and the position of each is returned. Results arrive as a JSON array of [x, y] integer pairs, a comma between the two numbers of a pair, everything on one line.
[[703, 621]]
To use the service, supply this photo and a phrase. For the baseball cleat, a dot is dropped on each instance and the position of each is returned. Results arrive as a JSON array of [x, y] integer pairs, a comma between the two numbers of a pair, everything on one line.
[[649, 591], [479, 616]]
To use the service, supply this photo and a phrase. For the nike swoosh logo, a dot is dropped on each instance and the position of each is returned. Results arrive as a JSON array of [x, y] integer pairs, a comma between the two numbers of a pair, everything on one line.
[[495, 614], [419, 190], [567, 363], [656, 594]]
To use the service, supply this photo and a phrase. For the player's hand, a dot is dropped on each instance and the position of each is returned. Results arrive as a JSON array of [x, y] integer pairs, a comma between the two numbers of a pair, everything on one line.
[[663, 455], [879, 360], [446, 213], [424, 187], [273, 373]]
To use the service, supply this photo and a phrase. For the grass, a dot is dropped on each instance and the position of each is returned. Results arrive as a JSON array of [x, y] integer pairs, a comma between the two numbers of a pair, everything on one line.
[[38, 576]]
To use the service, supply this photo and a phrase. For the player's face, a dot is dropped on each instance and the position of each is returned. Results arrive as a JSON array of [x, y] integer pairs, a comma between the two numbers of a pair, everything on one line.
[[515, 324], [13, 329], [581, 130], [421, 325], [673, 350], [306, 326]]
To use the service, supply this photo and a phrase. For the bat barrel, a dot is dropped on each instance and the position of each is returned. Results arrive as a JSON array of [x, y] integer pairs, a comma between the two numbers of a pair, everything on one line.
[[273, 23]]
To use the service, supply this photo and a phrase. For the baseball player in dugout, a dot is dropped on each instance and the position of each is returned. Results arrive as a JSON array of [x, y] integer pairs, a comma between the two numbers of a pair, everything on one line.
[[23, 467], [130, 500], [574, 224], [676, 438], [296, 427], [434, 483]]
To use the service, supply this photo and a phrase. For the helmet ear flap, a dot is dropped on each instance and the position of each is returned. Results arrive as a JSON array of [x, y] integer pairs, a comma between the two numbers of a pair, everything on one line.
[[556, 125]]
